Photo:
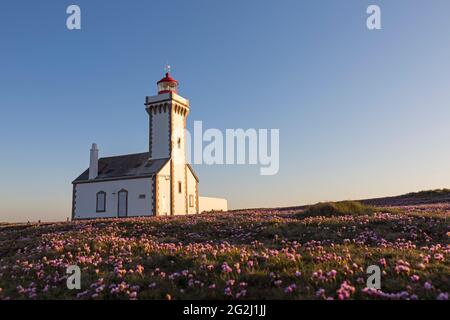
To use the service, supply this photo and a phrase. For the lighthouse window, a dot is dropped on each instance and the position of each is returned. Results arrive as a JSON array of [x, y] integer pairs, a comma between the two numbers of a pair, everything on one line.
[[101, 201], [179, 186], [191, 200], [179, 143]]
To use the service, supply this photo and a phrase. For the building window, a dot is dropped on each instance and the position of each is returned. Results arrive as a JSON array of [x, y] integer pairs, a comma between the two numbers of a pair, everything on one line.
[[191, 200], [179, 186], [179, 143], [142, 196], [101, 201]]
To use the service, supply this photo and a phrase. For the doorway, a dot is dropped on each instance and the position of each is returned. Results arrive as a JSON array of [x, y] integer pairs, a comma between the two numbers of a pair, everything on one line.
[[122, 203]]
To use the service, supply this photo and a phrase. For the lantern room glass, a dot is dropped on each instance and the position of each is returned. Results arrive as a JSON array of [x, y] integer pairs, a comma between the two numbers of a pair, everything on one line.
[[166, 86]]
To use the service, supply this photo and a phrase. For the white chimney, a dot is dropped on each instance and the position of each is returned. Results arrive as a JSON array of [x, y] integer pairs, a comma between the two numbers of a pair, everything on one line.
[[93, 164]]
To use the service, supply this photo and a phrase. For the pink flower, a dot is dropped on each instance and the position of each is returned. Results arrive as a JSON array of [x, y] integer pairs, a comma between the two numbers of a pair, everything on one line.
[[402, 268], [415, 278], [241, 293], [332, 274], [439, 257], [139, 269], [290, 288], [228, 292], [442, 296], [320, 293], [345, 291], [133, 295], [230, 282], [226, 268], [427, 286], [421, 266]]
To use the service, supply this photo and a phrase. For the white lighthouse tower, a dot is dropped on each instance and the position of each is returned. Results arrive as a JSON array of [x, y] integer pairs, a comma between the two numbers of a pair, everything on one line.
[[168, 112]]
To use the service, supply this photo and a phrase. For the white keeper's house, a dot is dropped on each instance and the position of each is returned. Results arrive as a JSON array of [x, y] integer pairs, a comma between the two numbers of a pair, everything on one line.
[[154, 183]]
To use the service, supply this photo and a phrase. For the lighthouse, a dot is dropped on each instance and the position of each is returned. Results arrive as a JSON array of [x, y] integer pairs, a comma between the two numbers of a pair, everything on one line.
[[158, 182], [168, 112]]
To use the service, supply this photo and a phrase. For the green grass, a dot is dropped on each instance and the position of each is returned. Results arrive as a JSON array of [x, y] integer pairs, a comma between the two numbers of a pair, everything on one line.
[[332, 209], [429, 193]]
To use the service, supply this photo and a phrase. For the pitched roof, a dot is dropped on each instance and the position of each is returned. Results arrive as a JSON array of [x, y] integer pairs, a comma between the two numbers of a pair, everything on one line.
[[124, 167], [192, 171]]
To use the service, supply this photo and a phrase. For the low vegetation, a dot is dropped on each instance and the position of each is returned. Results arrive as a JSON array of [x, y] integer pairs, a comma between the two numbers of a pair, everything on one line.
[[426, 197], [429, 194], [252, 255], [333, 209]]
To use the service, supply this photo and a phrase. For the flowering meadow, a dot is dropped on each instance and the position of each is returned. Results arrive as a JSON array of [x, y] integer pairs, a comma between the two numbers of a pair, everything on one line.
[[259, 254]]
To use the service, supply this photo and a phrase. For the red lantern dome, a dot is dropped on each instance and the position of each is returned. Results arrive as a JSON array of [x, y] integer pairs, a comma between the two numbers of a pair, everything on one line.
[[167, 84]]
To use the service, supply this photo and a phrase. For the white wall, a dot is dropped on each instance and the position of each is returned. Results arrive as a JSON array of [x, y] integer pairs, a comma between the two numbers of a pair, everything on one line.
[[174, 116], [159, 135], [85, 198], [210, 204], [163, 195], [179, 163], [192, 191]]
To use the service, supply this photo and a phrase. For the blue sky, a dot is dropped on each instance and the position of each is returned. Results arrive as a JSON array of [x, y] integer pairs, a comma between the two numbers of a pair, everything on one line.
[[361, 113]]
